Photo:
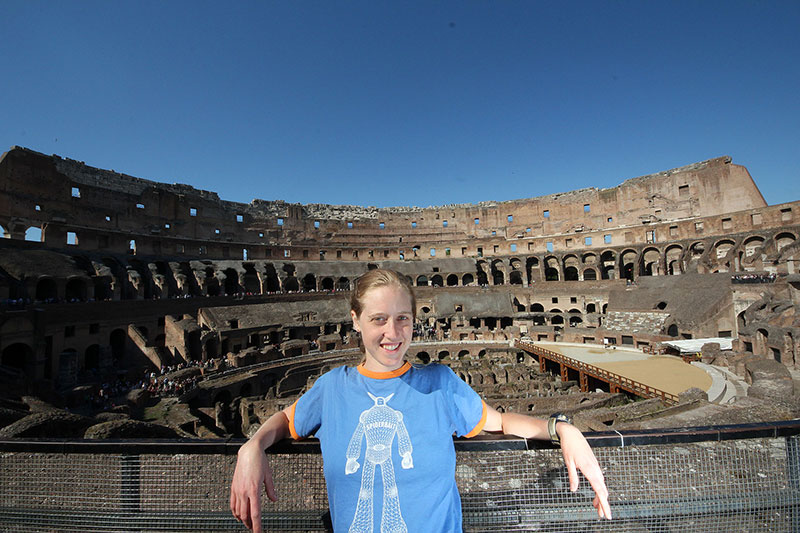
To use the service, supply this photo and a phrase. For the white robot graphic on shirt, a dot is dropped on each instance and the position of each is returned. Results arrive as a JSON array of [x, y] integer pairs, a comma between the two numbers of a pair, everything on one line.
[[379, 424]]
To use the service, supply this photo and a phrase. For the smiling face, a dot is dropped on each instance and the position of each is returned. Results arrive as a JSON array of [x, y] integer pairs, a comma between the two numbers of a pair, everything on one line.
[[386, 324]]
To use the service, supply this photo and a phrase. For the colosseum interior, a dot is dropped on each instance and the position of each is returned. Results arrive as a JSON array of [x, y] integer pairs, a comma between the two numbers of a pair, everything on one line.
[[132, 307]]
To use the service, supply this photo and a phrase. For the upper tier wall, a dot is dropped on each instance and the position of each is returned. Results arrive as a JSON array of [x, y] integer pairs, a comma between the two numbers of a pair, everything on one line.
[[101, 209]]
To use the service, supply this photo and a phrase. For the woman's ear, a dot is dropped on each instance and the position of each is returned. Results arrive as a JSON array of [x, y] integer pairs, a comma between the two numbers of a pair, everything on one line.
[[354, 317]]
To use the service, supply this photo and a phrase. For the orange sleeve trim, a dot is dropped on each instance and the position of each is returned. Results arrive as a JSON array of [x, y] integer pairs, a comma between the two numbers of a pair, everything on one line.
[[477, 429], [292, 430]]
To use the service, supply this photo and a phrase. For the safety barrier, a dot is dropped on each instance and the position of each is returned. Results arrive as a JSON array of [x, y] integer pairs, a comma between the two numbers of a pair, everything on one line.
[[701, 479]]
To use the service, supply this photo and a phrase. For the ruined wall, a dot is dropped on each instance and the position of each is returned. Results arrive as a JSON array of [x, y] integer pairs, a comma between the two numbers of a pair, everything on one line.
[[94, 209]]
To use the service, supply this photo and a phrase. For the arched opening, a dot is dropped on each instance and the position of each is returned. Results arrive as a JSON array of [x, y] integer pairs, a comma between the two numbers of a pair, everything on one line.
[[327, 284], [291, 284], [608, 260], [422, 281], [570, 274], [649, 262], [46, 290], [515, 277], [102, 288], [591, 308], [424, 357], [627, 262], [575, 320], [343, 284], [452, 280], [232, 282], [673, 260], [212, 283], [252, 285], [467, 279], [672, 330], [33, 234], [589, 274], [557, 320], [75, 291], [537, 308], [436, 281], [782, 240], [117, 340], [17, 355], [91, 357], [309, 282]]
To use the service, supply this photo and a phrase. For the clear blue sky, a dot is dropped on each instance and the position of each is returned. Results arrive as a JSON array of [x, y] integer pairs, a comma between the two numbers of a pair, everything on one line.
[[391, 103]]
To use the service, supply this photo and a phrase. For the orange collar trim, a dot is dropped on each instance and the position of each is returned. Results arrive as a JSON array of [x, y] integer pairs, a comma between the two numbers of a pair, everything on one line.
[[384, 375]]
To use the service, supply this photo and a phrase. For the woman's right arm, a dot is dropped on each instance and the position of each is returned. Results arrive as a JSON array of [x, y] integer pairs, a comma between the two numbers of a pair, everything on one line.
[[253, 471]]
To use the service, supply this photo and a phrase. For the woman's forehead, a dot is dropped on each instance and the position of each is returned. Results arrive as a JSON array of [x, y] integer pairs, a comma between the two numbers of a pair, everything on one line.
[[387, 298]]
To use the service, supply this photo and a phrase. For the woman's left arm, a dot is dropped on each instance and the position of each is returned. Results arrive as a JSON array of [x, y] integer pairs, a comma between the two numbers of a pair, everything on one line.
[[578, 455]]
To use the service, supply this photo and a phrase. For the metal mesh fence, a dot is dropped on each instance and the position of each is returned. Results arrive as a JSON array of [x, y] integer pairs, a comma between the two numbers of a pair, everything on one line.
[[742, 484]]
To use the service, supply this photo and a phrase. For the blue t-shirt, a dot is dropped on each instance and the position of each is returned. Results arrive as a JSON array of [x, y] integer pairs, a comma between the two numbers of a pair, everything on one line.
[[387, 445]]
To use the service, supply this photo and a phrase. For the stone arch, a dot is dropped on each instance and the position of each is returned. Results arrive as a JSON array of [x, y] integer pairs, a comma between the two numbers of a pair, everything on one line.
[[570, 265], [291, 284], [591, 308], [212, 282], [697, 249], [452, 280], [515, 278], [537, 308], [530, 264], [574, 320], [75, 290], [327, 284], [672, 259], [551, 269], [463, 353], [589, 274], [436, 281], [627, 262], [498, 272], [46, 289], [424, 357], [784, 239], [232, 281], [18, 355], [589, 258], [649, 264], [515, 264], [343, 284], [723, 247], [309, 282], [422, 281], [467, 279], [252, 284], [34, 234], [608, 261], [752, 245], [91, 357]]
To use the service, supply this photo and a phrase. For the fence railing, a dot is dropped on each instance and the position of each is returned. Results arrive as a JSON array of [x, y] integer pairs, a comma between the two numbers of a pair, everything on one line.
[[699, 479]]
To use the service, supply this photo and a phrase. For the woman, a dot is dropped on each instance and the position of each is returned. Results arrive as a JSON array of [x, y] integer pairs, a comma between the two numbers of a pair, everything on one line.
[[394, 422]]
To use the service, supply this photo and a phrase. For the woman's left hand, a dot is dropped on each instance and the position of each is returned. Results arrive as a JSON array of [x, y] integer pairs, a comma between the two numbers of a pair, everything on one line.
[[578, 455]]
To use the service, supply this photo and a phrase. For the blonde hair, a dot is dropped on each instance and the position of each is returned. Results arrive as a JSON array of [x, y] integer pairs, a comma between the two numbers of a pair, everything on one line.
[[380, 277]]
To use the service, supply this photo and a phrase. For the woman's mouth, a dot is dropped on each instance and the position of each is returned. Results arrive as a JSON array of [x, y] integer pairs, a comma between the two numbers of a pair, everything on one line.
[[391, 347]]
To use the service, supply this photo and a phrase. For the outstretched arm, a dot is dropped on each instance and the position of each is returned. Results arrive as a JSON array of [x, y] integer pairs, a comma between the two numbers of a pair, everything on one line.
[[577, 453], [253, 471]]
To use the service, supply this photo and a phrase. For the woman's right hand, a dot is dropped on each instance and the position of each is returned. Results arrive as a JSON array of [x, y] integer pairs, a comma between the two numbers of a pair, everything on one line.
[[252, 471]]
